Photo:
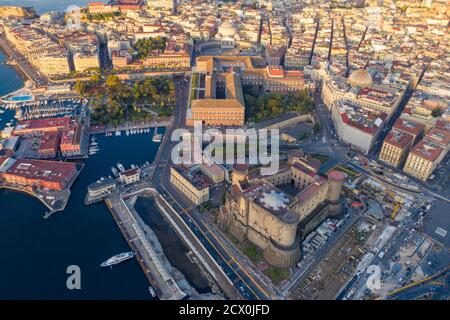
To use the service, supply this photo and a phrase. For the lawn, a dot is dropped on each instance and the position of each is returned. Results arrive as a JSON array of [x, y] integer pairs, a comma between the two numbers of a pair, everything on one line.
[[253, 253], [277, 275]]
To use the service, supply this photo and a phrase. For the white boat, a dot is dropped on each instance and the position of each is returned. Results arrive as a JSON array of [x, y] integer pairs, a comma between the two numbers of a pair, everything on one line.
[[121, 167], [157, 137], [152, 291], [115, 172], [117, 259], [19, 114]]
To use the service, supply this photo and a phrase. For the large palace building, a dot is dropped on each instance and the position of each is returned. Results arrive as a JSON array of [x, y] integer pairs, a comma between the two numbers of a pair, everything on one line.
[[216, 89], [260, 209]]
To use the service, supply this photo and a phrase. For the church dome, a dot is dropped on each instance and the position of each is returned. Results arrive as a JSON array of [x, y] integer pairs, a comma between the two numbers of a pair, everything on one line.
[[227, 29], [360, 78]]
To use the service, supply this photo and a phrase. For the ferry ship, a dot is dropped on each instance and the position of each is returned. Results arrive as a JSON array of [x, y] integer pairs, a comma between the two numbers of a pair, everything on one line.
[[121, 257]]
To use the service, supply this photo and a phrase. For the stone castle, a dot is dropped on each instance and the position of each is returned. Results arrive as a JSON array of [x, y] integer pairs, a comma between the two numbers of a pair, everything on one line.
[[258, 210]]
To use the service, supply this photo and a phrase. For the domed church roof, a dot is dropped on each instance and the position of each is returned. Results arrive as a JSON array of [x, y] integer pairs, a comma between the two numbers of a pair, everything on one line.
[[227, 29], [360, 78]]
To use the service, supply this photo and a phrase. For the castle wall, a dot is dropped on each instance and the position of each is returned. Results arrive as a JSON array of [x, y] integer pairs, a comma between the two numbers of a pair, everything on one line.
[[270, 226], [257, 238], [308, 204], [282, 258], [238, 230]]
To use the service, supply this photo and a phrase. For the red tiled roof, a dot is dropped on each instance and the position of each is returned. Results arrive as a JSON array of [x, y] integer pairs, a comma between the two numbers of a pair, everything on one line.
[[408, 126], [399, 139], [275, 72], [49, 140], [441, 137], [294, 73], [130, 172], [53, 171], [42, 124], [424, 150]]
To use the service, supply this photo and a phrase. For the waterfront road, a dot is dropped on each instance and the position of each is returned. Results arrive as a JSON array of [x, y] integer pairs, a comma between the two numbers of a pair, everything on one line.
[[30, 71]]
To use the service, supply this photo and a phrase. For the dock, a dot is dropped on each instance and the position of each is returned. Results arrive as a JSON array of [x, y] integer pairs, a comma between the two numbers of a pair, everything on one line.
[[157, 275], [103, 129]]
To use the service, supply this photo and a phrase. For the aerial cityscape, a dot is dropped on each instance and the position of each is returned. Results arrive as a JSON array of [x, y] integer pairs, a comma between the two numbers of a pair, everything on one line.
[[225, 150]]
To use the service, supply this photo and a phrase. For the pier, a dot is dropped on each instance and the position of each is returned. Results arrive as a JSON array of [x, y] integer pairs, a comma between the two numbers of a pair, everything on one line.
[[103, 129], [163, 283]]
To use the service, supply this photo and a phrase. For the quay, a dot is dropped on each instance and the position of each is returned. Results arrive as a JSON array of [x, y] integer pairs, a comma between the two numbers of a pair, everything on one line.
[[154, 271], [103, 129], [132, 228], [163, 283]]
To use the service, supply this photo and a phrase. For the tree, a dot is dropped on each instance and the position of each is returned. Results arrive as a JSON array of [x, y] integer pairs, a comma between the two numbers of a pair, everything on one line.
[[250, 102], [95, 78], [437, 112], [144, 47], [80, 87], [112, 81], [274, 106]]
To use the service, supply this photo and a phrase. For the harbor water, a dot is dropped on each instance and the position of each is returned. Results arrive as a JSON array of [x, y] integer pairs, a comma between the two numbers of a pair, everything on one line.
[[36, 252], [10, 81]]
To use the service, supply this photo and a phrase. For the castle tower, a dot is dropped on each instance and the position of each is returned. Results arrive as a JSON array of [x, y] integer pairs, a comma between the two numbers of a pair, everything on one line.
[[336, 180], [240, 172]]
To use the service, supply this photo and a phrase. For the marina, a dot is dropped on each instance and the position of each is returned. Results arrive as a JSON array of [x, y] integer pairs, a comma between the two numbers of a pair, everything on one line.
[[47, 108]]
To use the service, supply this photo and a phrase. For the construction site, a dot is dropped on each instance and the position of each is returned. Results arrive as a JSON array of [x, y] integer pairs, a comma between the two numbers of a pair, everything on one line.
[[333, 272]]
